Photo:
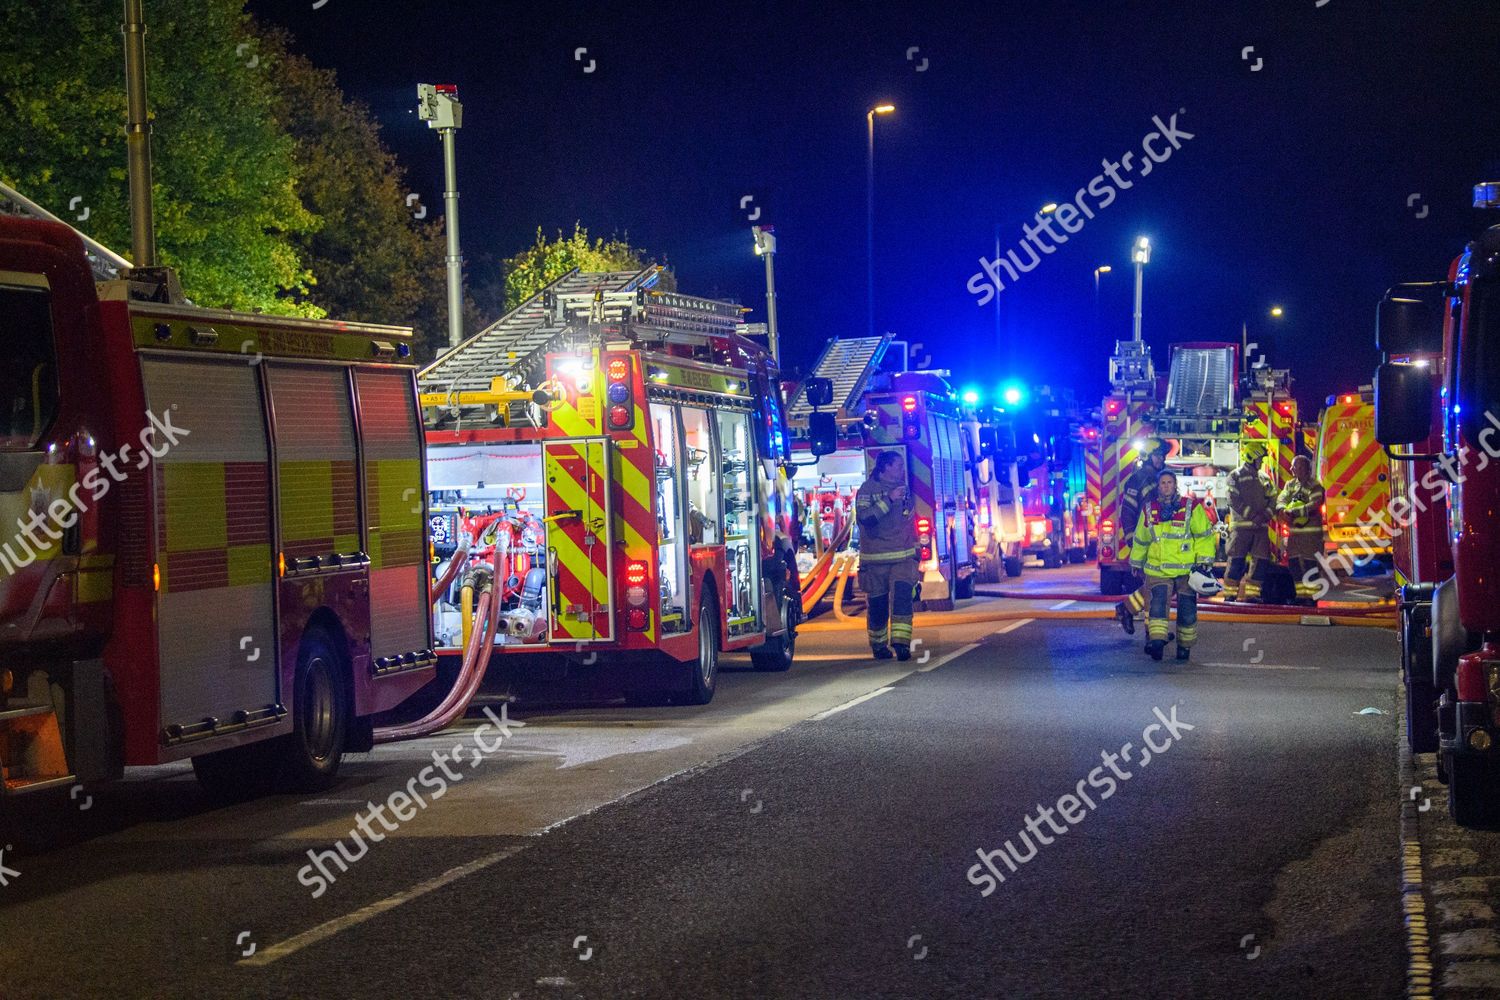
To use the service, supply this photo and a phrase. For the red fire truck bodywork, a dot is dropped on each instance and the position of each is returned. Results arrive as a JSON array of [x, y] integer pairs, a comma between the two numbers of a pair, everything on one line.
[[244, 552]]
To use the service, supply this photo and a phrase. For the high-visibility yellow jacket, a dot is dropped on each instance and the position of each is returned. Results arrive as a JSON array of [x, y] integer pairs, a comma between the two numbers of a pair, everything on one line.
[[1170, 539], [1302, 504], [886, 530]]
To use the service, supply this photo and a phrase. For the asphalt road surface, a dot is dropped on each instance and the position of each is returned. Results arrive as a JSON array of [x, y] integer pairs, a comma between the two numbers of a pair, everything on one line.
[[813, 834]]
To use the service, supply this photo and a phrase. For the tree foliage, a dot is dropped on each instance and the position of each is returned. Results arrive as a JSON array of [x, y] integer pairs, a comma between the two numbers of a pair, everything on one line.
[[225, 174], [542, 263]]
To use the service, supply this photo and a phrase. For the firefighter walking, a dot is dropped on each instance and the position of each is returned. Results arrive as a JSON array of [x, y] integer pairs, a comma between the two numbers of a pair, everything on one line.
[[1251, 498], [1301, 503], [1138, 491], [883, 508], [1175, 545]]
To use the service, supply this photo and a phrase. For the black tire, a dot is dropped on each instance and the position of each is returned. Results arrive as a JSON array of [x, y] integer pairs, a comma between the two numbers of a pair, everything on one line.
[[1473, 792], [703, 673], [1075, 556], [1092, 552], [1012, 566], [780, 650], [309, 758], [965, 588]]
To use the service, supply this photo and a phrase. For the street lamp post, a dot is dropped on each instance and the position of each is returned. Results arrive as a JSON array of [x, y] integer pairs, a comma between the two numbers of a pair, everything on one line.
[[1141, 255], [1276, 312], [438, 106], [765, 246], [1101, 269], [879, 109]]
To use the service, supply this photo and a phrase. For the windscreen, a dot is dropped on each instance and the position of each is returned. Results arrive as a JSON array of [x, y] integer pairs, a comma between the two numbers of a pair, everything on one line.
[[1479, 360], [28, 379]]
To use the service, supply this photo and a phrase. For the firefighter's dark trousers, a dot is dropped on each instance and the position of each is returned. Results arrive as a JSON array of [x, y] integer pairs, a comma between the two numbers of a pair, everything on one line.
[[1249, 553], [1162, 589], [889, 588], [1303, 548]]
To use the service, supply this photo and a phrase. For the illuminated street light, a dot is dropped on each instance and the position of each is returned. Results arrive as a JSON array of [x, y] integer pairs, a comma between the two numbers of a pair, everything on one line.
[[879, 109], [1049, 208], [1140, 253], [1276, 311], [1101, 269]]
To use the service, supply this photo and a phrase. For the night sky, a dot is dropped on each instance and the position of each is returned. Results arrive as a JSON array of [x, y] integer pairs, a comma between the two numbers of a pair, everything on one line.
[[1294, 190]]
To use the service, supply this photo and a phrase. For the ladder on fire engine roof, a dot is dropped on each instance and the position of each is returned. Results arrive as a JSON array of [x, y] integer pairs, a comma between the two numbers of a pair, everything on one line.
[[849, 364], [104, 262], [516, 346]]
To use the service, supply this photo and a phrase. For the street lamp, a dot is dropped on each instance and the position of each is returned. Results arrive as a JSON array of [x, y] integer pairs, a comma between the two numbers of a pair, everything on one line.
[[765, 246], [438, 106], [1101, 269], [1049, 208], [879, 109], [1140, 254], [1276, 312]]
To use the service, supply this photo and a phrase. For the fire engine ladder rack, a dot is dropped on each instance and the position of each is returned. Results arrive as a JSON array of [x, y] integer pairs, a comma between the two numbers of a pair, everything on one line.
[[104, 262], [849, 364], [576, 308]]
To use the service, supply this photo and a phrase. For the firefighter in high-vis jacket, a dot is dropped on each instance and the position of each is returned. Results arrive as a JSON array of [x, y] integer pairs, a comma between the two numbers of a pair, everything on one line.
[[1138, 490], [1301, 504], [1251, 499], [883, 508], [1175, 545]]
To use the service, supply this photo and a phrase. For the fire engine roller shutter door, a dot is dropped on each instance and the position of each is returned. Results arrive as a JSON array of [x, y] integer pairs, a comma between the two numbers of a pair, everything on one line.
[[395, 512], [315, 460], [214, 615]]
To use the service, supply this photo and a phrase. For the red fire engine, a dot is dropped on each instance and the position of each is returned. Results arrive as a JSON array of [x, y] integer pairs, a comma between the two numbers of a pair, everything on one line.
[[214, 547], [620, 450], [1437, 401]]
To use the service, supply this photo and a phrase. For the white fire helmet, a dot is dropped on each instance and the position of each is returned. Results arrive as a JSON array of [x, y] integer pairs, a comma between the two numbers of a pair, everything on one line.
[[1204, 583]]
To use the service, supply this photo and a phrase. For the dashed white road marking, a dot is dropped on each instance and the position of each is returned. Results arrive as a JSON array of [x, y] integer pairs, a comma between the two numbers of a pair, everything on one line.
[[947, 657], [1264, 666], [1060, 605], [323, 931], [850, 703]]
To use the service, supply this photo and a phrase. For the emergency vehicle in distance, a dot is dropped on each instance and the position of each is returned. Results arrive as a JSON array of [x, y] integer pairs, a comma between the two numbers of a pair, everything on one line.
[[1213, 405], [620, 448], [1437, 414], [1355, 472], [917, 414], [240, 573]]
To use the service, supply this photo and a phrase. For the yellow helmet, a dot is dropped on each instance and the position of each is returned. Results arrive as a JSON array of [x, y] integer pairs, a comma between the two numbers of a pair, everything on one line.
[[1253, 451]]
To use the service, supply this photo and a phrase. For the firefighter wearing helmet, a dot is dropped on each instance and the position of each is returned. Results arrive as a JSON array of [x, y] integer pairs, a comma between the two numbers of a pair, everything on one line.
[[1139, 489], [1251, 498], [883, 507], [1175, 545], [1301, 503]]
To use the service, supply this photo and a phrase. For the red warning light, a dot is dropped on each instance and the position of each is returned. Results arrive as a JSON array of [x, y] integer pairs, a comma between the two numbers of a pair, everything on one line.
[[619, 369], [909, 403], [924, 526], [635, 573]]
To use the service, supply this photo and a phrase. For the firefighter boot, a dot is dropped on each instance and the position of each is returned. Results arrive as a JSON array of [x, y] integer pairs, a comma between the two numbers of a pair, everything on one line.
[[882, 652], [1184, 653], [903, 651], [1125, 618], [1154, 648]]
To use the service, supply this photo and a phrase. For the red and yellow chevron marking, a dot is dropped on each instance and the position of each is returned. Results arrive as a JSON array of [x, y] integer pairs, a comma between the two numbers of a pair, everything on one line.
[[632, 472], [1355, 474], [214, 524], [577, 480], [577, 414], [1093, 484]]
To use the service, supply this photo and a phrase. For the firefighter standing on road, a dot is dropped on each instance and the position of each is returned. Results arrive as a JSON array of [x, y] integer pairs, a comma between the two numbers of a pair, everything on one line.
[[887, 555], [1139, 489], [1301, 503], [1251, 497], [1175, 545]]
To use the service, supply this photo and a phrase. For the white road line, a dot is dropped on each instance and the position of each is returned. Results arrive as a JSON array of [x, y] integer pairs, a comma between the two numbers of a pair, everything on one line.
[[322, 932], [849, 704], [1060, 605], [1013, 626], [1262, 666]]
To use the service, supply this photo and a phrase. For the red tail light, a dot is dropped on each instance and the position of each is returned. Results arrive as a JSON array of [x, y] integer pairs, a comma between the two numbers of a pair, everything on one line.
[[1471, 680], [924, 526], [909, 403], [635, 573], [1107, 526], [636, 619]]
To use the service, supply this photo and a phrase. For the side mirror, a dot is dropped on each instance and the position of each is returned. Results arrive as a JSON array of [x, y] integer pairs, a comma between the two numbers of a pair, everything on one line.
[[1403, 403], [1406, 326], [822, 433], [819, 392]]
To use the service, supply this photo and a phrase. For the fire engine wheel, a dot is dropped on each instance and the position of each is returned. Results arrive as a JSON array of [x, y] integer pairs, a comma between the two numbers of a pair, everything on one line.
[[1076, 556], [1473, 792], [310, 756], [704, 674], [779, 651], [1012, 566]]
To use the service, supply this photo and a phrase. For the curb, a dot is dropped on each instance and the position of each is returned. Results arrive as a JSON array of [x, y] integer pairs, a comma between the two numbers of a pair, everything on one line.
[[1419, 969]]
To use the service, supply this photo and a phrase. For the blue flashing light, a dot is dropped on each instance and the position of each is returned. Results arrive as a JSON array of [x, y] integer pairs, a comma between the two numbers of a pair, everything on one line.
[[1012, 395], [403, 350], [971, 397]]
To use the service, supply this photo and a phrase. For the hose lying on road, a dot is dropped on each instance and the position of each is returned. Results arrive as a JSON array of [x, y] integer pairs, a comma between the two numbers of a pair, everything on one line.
[[1343, 607], [940, 618], [850, 563], [476, 661]]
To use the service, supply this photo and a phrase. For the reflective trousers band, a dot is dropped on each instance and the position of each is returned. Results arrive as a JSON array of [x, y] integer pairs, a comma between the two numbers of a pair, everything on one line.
[[1156, 628], [1186, 635], [1136, 602], [901, 632], [879, 637], [885, 557]]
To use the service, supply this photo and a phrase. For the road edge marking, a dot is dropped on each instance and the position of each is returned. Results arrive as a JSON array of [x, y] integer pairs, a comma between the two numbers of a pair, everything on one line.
[[338, 925], [1420, 972], [849, 704]]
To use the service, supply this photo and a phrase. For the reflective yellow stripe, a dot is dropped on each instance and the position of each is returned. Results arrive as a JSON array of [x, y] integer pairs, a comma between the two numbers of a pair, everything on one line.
[[885, 557]]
